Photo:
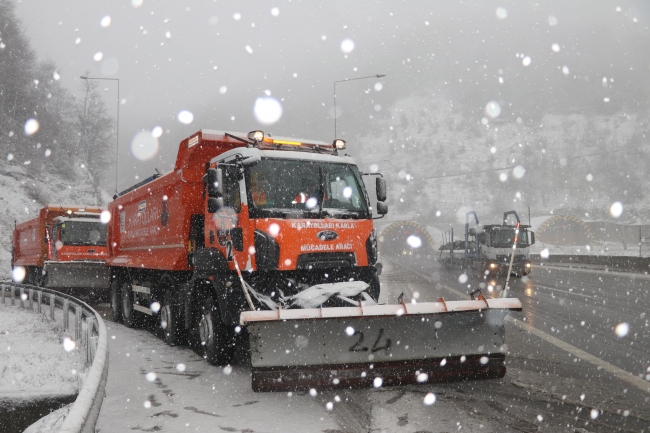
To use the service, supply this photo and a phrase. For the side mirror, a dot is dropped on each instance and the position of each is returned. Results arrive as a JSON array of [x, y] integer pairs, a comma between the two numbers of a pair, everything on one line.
[[220, 182], [214, 204], [532, 238], [381, 189], [382, 208], [213, 179], [250, 161]]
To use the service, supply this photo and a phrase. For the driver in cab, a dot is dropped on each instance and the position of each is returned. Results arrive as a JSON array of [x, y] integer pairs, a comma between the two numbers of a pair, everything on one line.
[[258, 189]]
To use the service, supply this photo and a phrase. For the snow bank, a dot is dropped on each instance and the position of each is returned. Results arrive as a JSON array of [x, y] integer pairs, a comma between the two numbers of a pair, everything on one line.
[[32, 358], [51, 422]]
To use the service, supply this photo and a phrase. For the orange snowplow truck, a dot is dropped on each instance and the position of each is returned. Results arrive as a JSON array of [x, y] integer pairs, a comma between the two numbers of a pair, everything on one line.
[[270, 240], [64, 247]]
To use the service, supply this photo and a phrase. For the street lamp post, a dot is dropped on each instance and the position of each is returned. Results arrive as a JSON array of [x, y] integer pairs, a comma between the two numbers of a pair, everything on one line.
[[349, 79], [117, 133]]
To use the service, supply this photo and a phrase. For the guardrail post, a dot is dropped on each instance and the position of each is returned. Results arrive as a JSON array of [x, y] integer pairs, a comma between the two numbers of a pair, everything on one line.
[[31, 299], [39, 294], [22, 295], [87, 338], [3, 293], [66, 317], [77, 322], [13, 295], [52, 302]]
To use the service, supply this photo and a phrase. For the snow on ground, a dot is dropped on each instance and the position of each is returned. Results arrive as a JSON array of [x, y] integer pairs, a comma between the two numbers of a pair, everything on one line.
[[24, 193], [155, 387], [33, 360], [50, 423]]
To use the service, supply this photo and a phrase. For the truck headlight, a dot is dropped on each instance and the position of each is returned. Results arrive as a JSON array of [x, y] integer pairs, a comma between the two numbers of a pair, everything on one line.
[[528, 265], [267, 251], [493, 265]]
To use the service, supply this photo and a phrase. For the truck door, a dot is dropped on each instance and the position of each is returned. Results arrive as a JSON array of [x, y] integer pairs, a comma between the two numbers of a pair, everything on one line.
[[55, 241], [231, 222]]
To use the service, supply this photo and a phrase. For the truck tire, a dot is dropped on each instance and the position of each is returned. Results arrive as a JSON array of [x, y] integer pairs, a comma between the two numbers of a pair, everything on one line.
[[116, 301], [128, 312], [370, 276], [41, 279], [374, 288], [215, 337], [170, 320], [29, 276]]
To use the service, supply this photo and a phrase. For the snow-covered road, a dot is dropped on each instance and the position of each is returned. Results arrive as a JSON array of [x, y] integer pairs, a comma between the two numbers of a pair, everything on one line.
[[208, 398], [543, 388], [146, 391]]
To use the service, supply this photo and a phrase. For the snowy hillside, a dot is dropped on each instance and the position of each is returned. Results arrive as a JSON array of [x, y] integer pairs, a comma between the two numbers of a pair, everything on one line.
[[24, 193], [440, 163]]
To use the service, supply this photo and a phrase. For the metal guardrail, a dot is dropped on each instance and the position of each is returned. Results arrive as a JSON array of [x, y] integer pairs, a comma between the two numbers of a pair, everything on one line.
[[613, 263], [89, 334]]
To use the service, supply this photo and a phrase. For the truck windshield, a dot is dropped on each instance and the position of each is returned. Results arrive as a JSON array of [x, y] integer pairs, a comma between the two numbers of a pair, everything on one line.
[[280, 186], [504, 238], [83, 233]]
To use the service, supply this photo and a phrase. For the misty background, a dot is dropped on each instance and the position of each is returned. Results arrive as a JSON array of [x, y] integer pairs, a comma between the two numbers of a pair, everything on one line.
[[473, 91]]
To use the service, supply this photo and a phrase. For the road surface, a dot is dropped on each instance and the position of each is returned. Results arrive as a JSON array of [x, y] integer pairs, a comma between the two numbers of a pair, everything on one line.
[[568, 370]]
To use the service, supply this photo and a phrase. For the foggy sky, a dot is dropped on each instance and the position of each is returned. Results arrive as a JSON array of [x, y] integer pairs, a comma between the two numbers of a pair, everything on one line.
[[424, 47]]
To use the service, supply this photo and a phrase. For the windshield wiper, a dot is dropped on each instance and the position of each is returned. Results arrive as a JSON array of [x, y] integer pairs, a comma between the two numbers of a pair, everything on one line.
[[344, 213], [321, 192]]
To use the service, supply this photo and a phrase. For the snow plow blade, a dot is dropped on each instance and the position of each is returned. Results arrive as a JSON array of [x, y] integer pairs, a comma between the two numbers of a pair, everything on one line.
[[346, 347], [77, 274]]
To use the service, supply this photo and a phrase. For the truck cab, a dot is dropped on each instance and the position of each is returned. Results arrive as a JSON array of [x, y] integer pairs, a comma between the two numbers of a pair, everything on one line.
[[290, 216], [76, 252], [489, 248], [63, 248], [496, 248], [78, 238]]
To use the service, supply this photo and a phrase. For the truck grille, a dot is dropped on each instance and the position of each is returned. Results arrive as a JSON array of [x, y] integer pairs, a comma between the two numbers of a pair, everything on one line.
[[326, 261], [506, 258]]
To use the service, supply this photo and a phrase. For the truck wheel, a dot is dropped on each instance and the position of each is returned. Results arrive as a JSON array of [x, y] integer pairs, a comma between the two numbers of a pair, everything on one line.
[[374, 288], [41, 279], [128, 312], [116, 301], [215, 337], [170, 320], [29, 275], [370, 276]]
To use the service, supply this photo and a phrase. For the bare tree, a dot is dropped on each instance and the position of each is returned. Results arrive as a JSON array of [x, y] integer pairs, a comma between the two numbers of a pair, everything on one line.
[[95, 128]]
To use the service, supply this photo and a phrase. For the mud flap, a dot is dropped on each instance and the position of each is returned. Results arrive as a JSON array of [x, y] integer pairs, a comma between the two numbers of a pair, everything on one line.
[[352, 346]]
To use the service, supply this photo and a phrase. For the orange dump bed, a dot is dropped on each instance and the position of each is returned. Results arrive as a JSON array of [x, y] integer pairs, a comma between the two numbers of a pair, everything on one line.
[[150, 223]]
